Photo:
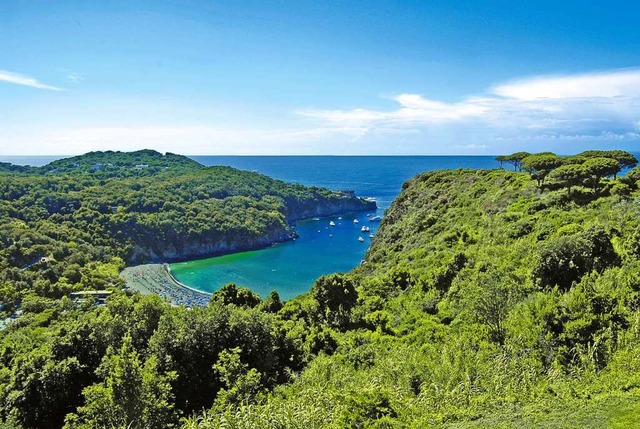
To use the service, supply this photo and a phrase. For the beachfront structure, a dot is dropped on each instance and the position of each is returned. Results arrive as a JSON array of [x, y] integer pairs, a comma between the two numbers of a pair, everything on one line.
[[99, 296]]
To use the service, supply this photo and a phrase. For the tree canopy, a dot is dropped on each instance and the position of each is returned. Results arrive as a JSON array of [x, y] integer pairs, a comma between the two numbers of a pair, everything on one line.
[[484, 300]]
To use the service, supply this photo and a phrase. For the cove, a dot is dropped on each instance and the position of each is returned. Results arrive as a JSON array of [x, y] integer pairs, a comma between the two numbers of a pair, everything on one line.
[[290, 268]]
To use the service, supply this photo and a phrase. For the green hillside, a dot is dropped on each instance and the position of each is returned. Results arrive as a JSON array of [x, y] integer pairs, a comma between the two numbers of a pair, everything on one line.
[[485, 301]]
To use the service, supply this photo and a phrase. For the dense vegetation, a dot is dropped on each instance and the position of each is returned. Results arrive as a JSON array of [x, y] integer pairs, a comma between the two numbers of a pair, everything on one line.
[[488, 298], [73, 224]]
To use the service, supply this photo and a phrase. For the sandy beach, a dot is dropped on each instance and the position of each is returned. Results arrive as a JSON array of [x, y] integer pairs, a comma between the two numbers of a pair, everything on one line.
[[154, 278]]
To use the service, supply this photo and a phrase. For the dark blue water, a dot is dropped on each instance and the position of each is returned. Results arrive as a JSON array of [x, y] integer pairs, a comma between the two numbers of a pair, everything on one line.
[[292, 267], [380, 177]]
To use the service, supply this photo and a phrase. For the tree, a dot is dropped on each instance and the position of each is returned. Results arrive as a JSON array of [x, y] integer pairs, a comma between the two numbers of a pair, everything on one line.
[[133, 394], [632, 178], [598, 168], [570, 175], [239, 296], [497, 294], [515, 159], [272, 303], [564, 260], [336, 296], [540, 165], [622, 190], [624, 159], [242, 383]]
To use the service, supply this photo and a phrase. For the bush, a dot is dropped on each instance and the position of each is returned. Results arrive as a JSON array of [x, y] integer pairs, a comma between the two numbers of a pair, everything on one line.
[[564, 260]]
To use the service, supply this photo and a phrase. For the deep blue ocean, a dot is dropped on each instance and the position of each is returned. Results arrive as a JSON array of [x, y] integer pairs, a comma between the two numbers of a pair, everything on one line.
[[291, 268]]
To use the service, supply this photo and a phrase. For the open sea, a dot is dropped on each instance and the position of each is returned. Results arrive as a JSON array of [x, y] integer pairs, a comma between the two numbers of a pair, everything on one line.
[[291, 268]]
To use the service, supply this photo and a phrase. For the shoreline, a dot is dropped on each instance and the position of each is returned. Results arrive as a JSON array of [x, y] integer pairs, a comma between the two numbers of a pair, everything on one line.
[[167, 270], [157, 278]]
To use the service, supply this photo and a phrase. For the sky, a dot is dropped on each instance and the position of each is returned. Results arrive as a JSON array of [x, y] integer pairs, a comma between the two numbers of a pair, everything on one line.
[[336, 77]]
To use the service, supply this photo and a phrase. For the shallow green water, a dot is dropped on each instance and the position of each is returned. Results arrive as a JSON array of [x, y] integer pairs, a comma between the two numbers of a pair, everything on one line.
[[290, 268]]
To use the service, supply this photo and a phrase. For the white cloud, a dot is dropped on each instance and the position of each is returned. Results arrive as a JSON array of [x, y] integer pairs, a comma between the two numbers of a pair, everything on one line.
[[413, 109], [617, 83], [19, 79], [605, 136], [75, 77], [473, 146], [603, 104]]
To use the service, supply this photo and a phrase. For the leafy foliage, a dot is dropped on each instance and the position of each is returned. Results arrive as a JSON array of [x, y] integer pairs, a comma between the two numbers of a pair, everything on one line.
[[485, 300]]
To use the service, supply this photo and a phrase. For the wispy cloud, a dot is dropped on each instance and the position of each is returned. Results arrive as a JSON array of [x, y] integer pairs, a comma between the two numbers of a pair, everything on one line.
[[197, 139], [19, 79], [616, 83], [588, 104], [75, 77], [472, 146]]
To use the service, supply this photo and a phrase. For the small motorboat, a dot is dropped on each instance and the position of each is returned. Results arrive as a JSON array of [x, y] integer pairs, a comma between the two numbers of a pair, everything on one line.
[[365, 229], [371, 235], [360, 239], [356, 221], [332, 223], [375, 219]]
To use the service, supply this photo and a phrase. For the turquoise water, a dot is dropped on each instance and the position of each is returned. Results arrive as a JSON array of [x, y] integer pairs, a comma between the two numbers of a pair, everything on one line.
[[291, 268]]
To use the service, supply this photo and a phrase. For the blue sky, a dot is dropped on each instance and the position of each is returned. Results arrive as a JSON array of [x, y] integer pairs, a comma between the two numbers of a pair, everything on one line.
[[318, 77]]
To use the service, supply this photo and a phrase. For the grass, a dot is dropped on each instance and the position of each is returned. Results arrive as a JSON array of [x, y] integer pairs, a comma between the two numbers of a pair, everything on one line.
[[618, 411]]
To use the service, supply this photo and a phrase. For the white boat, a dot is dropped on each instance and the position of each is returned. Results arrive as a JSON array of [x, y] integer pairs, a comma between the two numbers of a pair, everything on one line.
[[360, 239], [316, 218], [332, 223], [370, 235], [365, 229], [356, 221], [375, 219], [339, 217]]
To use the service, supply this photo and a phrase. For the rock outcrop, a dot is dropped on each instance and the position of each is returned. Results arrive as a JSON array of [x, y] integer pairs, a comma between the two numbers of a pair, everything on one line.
[[317, 205]]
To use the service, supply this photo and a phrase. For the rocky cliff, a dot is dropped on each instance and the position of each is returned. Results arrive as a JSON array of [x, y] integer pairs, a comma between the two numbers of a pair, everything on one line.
[[180, 248]]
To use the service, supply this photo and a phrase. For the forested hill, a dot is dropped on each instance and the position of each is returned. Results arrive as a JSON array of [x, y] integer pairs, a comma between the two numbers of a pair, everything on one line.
[[121, 164], [487, 299], [73, 223]]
